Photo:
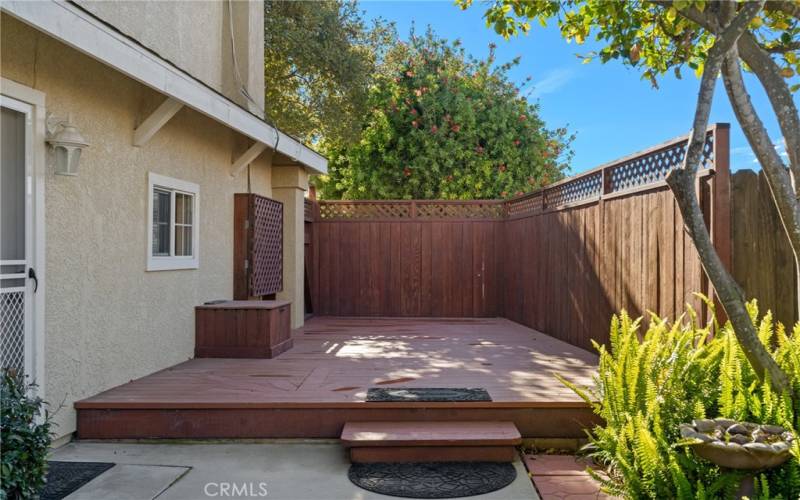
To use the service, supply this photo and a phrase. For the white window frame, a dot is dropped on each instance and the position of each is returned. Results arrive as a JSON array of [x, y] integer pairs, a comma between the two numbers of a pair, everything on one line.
[[173, 262]]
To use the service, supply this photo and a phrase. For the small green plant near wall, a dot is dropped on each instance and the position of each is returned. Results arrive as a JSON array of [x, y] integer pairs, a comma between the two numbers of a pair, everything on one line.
[[25, 438], [650, 381]]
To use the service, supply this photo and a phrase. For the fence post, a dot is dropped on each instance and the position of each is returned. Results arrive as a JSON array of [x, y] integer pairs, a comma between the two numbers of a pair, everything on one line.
[[721, 194], [605, 182], [721, 203]]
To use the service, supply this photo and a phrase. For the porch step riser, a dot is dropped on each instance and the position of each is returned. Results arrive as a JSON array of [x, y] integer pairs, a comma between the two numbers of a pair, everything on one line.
[[247, 423], [433, 454], [426, 441]]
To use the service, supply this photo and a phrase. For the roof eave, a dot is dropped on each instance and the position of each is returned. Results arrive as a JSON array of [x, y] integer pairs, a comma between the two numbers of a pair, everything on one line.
[[73, 26]]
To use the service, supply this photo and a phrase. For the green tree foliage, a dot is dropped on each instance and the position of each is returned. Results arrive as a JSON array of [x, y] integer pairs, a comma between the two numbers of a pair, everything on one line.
[[655, 36], [319, 61], [445, 125], [650, 382]]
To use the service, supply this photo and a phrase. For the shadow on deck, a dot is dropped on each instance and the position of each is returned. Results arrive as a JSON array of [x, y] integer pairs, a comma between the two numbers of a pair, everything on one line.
[[313, 389]]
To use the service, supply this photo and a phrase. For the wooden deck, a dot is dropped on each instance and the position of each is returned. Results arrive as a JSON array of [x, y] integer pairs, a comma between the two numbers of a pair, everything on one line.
[[313, 389]]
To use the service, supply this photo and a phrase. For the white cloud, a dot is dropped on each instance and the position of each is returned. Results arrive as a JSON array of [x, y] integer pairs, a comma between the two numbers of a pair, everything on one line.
[[553, 81], [741, 155]]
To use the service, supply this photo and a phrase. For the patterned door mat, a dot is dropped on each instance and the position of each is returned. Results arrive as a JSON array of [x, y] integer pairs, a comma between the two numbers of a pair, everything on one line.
[[64, 478], [432, 479], [425, 395]]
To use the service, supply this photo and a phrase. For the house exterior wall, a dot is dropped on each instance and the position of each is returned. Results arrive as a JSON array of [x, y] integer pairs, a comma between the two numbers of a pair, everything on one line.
[[196, 37], [289, 186], [107, 320]]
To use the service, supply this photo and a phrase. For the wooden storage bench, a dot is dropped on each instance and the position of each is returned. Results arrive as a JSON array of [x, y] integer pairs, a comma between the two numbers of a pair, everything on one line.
[[242, 329]]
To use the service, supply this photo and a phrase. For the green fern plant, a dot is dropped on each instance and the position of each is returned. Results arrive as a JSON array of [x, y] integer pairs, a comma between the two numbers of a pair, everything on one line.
[[649, 382]]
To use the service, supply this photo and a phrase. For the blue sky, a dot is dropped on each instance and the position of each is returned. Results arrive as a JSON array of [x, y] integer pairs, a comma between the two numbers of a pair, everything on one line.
[[613, 111]]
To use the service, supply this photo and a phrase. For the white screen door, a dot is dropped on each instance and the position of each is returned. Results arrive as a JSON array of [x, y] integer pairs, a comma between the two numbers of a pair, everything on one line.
[[17, 275]]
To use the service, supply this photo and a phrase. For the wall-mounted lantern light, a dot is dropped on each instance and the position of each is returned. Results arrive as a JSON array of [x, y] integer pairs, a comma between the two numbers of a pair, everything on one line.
[[67, 143]]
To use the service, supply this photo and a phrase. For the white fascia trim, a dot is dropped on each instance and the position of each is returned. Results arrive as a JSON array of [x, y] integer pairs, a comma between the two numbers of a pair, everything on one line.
[[71, 25]]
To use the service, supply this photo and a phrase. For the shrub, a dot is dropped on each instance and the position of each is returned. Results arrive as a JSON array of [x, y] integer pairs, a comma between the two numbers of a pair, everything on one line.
[[649, 383], [25, 435], [445, 125]]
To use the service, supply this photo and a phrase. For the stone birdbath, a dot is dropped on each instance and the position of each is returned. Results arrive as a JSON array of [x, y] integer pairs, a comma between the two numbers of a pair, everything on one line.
[[739, 445]]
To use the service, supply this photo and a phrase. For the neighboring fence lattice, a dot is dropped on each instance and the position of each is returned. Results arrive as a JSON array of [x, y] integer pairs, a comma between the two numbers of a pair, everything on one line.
[[640, 171]]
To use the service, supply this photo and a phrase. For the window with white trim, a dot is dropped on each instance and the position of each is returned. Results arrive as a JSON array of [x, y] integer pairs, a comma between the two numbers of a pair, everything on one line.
[[172, 228]]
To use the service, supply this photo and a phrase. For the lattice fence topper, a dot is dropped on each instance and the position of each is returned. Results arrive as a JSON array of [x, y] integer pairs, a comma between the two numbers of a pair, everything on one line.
[[529, 204], [582, 188], [640, 171], [433, 210], [266, 273], [344, 210], [654, 167], [12, 326]]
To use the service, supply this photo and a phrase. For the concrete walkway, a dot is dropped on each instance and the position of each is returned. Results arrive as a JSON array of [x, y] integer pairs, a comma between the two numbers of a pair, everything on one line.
[[293, 470]]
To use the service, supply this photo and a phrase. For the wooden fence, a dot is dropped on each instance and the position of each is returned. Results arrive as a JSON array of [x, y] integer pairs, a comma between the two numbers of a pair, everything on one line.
[[402, 259], [560, 260], [763, 263]]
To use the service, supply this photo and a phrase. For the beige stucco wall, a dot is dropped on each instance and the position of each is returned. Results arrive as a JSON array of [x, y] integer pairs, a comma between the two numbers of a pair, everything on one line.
[[289, 186], [108, 320], [195, 36]]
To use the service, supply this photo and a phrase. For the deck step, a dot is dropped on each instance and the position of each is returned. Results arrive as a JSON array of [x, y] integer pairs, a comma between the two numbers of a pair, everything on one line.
[[431, 441]]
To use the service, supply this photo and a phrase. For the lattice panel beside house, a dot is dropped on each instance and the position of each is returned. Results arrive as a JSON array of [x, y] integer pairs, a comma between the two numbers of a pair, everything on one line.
[[258, 246], [266, 274]]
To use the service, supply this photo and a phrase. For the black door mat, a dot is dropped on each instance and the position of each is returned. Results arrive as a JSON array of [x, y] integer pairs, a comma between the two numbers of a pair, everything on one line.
[[425, 395], [432, 479], [64, 478]]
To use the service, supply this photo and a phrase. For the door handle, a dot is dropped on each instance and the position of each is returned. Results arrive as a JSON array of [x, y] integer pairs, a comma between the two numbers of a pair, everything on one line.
[[32, 275]]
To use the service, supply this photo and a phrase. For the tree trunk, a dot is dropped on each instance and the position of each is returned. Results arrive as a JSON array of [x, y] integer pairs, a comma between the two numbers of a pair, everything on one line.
[[768, 73], [782, 101], [682, 183]]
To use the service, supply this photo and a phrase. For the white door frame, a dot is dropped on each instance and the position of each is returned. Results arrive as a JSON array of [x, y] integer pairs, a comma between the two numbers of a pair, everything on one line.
[[32, 103]]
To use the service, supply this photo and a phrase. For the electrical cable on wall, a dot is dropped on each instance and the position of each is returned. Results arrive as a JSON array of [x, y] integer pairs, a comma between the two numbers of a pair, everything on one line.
[[239, 81]]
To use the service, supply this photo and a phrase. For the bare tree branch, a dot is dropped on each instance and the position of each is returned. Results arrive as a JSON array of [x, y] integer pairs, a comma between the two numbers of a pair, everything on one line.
[[723, 44], [768, 73], [778, 178], [781, 49], [790, 8], [682, 183], [759, 140]]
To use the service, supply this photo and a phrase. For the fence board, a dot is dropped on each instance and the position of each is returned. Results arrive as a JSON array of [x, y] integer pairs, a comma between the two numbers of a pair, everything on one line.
[[763, 263]]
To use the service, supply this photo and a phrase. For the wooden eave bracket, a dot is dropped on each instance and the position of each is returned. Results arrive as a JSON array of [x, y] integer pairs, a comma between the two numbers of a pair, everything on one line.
[[155, 121], [247, 157]]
